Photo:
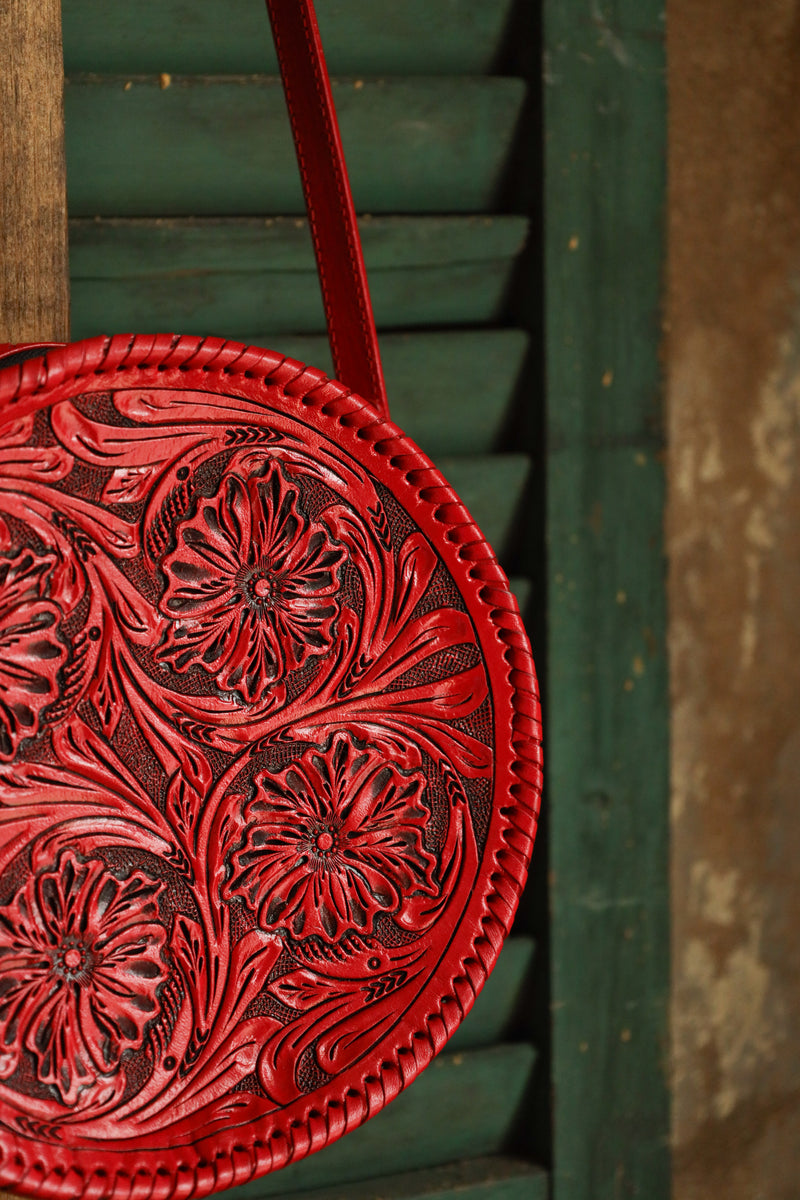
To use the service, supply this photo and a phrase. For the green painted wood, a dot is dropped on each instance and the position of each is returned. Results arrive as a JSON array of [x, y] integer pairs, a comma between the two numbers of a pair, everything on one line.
[[496, 1178], [498, 1012], [607, 689], [235, 276], [464, 1105], [492, 487], [452, 392], [143, 248], [415, 37], [221, 145], [286, 302], [523, 591]]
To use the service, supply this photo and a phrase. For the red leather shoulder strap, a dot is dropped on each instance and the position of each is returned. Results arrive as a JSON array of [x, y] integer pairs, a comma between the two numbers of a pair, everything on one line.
[[331, 214]]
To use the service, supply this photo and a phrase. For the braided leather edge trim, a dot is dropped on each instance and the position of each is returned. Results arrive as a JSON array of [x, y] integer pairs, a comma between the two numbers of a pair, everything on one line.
[[25, 388]]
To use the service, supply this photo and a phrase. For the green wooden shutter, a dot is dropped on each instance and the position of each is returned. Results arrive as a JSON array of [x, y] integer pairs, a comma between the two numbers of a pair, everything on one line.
[[186, 215]]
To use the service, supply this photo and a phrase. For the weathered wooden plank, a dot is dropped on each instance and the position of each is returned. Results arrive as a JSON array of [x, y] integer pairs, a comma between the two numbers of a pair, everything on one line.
[[496, 1178], [160, 247], [497, 1014], [464, 1105], [222, 145], [34, 288], [607, 694], [34, 283], [384, 38], [236, 276], [285, 302]]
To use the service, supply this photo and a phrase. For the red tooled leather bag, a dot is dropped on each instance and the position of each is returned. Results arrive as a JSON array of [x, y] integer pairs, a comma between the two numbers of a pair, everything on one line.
[[269, 740]]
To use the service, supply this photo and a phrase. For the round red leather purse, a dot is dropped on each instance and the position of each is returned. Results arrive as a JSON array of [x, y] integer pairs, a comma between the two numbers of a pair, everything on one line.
[[269, 740]]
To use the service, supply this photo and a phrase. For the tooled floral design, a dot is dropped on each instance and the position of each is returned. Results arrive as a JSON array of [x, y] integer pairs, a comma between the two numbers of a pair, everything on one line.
[[251, 586], [80, 968], [332, 841], [31, 654]]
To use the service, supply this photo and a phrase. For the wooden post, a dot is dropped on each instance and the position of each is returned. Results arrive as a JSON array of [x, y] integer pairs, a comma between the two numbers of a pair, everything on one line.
[[34, 284], [607, 711]]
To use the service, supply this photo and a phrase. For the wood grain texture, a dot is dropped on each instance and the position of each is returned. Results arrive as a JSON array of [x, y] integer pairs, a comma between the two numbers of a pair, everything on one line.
[[607, 692], [34, 296], [159, 247], [733, 354], [219, 36], [207, 145], [243, 276], [286, 302]]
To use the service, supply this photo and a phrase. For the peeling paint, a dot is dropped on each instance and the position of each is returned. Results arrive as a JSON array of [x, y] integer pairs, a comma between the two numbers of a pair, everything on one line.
[[750, 618], [712, 893], [711, 467], [610, 40], [735, 1016], [758, 530], [775, 426]]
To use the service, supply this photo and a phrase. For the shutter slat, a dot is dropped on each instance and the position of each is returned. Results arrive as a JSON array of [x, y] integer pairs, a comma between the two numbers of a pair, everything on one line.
[[231, 304], [463, 1105], [145, 248], [237, 277], [460, 36], [211, 145], [499, 1006], [452, 392], [492, 488], [495, 1178]]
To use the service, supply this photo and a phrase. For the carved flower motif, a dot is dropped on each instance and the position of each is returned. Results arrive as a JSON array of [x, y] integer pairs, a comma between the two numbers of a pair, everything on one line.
[[332, 841], [80, 966], [30, 653], [251, 586]]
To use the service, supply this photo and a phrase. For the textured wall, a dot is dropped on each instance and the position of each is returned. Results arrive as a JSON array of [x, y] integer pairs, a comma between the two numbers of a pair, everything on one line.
[[733, 362]]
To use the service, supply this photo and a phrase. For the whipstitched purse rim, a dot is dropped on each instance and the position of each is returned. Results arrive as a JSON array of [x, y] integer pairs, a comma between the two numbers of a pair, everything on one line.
[[67, 411]]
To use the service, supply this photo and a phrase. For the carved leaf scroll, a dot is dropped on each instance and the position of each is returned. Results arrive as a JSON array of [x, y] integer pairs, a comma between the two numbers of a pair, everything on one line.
[[245, 743]]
